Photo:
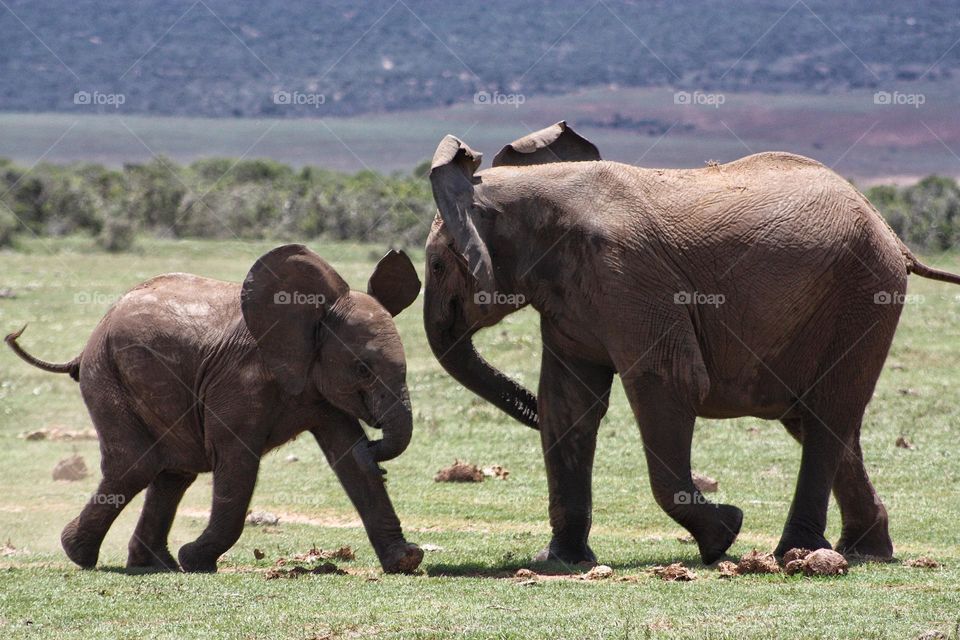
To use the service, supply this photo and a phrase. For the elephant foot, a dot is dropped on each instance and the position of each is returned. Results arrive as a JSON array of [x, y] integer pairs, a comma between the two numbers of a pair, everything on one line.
[[142, 557], [195, 559], [873, 543], [721, 533], [555, 552], [79, 550], [402, 558], [795, 538]]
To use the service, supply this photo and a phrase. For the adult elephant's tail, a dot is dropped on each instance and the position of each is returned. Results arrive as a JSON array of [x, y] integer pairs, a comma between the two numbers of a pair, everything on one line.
[[922, 270], [72, 367]]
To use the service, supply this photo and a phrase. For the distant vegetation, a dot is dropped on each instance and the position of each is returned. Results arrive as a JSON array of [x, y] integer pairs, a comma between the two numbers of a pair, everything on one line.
[[264, 199], [223, 58], [214, 198]]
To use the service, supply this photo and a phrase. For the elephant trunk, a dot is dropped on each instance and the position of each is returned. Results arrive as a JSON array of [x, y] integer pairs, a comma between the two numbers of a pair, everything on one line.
[[397, 429], [460, 359]]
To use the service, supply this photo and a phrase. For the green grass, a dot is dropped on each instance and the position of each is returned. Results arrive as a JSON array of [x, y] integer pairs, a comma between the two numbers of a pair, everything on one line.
[[485, 531]]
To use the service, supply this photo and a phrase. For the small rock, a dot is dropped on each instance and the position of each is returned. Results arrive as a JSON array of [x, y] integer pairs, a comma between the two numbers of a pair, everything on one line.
[[291, 458], [705, 484], [6, 293], [431, 547], [459, 471], [923, 562], [757, 562], [903, 443], [599, 572], [70, 469], [686, 540], [675, 572], [525, 574], [259, 555], [824, 562], [262, 518], [727, 569]]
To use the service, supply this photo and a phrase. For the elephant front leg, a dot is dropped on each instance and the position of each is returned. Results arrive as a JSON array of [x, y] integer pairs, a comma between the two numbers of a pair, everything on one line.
[[234, 478], [368, 493], [573, 398], [666, 421]]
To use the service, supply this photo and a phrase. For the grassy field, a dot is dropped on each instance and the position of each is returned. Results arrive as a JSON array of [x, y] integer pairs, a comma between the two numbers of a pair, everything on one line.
[[862, 140], [484, 532]]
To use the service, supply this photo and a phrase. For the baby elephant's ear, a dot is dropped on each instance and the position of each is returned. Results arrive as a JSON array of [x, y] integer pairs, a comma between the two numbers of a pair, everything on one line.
[[284, 298], [394, 282], [556, 143]]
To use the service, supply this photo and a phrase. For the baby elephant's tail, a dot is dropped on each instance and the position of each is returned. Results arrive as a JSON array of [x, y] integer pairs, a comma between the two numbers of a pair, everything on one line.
[[72, 367], [922, 270]]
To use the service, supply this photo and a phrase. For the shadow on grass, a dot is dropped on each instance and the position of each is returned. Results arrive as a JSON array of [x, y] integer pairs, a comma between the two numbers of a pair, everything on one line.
[[134, 571]]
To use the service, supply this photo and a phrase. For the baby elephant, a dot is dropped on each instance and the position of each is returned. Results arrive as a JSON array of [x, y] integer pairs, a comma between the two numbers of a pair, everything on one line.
[[187, 374]]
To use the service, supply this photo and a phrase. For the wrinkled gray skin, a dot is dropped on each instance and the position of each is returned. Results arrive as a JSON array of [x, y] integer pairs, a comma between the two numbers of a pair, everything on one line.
[[186, 375], [765, 287]]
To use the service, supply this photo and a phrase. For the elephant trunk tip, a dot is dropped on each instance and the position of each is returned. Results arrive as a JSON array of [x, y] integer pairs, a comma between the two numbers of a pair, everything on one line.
[[364, 457]]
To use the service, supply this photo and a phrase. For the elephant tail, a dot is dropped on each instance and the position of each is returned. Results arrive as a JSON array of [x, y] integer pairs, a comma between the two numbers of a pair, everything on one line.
[[922, 270], [72, 367]]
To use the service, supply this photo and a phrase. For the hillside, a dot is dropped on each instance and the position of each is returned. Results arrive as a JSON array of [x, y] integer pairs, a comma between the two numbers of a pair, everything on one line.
[[220, 58]]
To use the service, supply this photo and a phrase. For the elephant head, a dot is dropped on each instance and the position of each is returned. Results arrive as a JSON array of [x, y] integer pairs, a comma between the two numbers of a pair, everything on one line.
[[465, 289], [311, 329]]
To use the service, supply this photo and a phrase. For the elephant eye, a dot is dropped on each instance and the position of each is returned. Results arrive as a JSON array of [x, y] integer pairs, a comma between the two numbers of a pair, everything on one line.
[[362, 371], [436, 266]]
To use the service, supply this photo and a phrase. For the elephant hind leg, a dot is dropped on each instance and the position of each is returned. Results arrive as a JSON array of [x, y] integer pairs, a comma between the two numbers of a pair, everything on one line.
[[821, 438], [127, 469], [865, 522], [148, 545], [82, 537], [828, 418], [666, 426]]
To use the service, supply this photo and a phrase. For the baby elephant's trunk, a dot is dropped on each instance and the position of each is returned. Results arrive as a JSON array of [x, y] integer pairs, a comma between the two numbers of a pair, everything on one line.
[[397, 427]]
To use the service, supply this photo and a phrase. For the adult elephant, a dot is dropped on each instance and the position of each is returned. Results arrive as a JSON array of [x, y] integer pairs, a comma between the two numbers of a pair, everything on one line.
[[765, 287]]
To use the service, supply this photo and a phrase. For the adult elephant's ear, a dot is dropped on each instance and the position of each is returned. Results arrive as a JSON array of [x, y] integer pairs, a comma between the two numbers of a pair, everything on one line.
[[556, 143], [284, 298], [394, 282], [451, 177]]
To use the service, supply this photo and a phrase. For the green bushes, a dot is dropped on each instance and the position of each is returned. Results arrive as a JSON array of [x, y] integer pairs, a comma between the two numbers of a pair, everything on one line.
[[925, 215], [212, 198], [264, 199]]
